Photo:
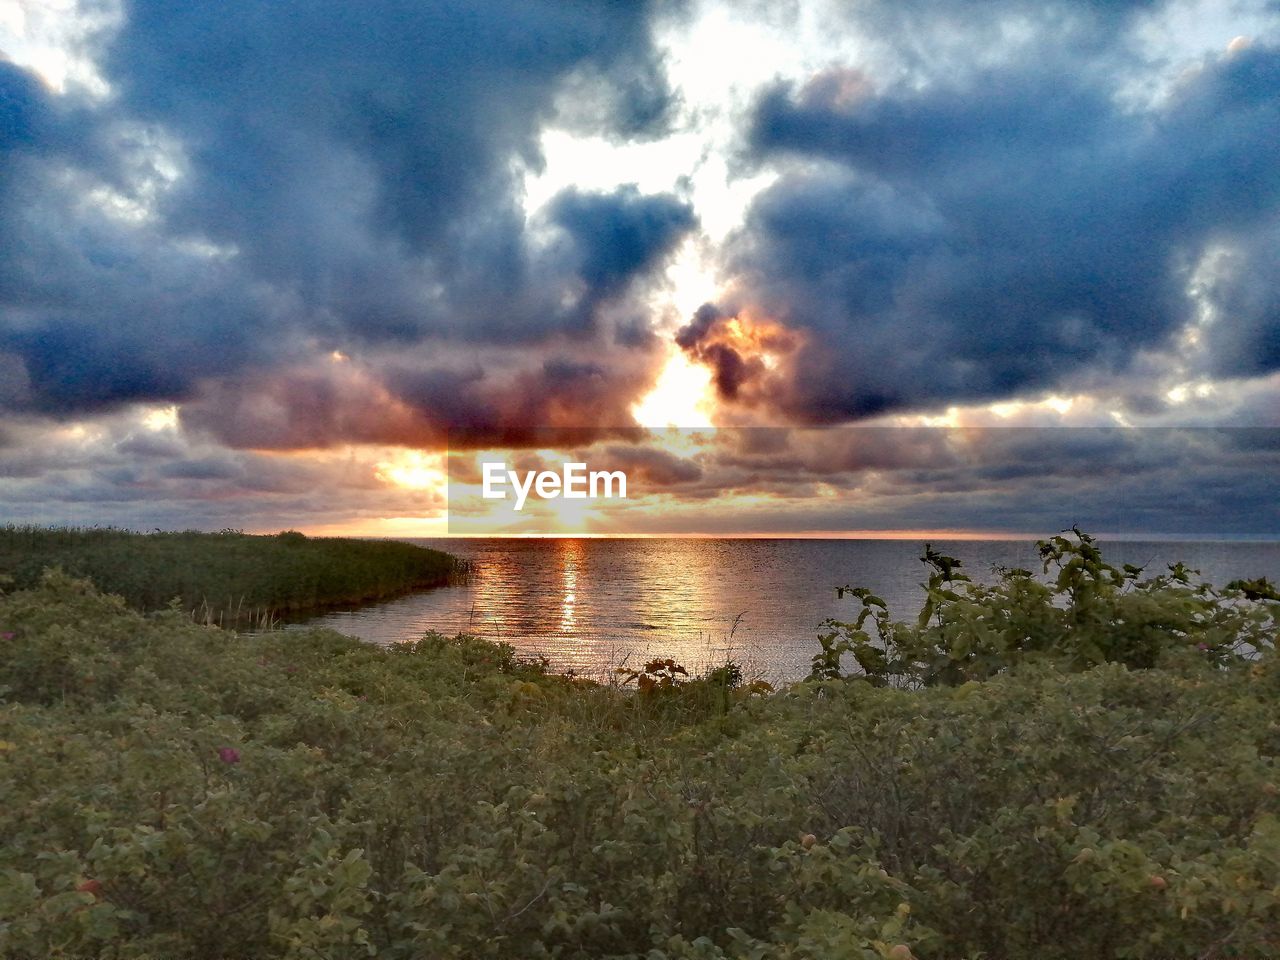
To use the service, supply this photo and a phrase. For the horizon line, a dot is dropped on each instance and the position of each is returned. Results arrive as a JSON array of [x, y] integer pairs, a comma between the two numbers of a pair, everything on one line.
[[321, 531], [938, 534]]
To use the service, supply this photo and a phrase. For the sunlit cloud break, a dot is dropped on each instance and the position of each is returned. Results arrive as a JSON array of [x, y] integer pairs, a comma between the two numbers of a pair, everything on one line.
[[290, 287]]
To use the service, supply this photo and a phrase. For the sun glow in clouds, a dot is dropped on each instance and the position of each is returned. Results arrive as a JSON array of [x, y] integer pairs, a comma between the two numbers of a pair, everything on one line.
[[681, 397], [413, 470], [738, 370], [161, 418], [51, 37], [574, 482], [547, 492]]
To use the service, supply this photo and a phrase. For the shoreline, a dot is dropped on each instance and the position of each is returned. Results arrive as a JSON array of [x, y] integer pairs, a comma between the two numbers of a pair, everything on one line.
[[229, 579]]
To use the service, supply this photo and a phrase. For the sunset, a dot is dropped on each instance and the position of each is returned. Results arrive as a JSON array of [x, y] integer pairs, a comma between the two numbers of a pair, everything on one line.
[[652, 480], [232, 301]]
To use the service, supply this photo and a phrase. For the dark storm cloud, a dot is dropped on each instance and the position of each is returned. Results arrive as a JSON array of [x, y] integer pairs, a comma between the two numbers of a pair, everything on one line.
[[24, 108], [329, 138], [430, 98], [1002, 231], [311, 176], [93, 312], [35, 123], [616, 236], [1246, 298]]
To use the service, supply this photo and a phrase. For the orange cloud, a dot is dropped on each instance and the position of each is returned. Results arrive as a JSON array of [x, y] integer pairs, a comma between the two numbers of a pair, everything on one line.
[[746, 351]]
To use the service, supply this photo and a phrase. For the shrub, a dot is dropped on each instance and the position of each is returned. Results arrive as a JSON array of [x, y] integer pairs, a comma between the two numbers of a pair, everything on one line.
[[171, 790], [1089, 613]]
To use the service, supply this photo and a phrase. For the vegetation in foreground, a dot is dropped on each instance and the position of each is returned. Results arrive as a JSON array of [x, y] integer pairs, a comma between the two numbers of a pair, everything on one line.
[[171, 790], [226, 578]]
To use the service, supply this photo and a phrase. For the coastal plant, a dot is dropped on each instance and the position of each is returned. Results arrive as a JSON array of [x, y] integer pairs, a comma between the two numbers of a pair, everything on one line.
[[657, 674], [1079, 613], [171, 790], [228, 578]]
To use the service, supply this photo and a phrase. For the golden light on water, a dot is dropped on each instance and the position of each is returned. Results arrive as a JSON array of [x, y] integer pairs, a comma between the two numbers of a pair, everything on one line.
[[571, 551]]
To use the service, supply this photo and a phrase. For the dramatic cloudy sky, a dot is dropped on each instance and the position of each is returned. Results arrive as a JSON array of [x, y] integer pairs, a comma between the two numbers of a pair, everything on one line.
[[996, 265]]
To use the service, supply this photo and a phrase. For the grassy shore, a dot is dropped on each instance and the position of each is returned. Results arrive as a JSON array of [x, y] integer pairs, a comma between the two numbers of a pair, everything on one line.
[[168, 790], [225, 578]]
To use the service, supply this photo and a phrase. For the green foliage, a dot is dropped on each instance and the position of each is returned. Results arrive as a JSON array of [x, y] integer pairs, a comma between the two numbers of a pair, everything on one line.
[[227, 578], [658, 674], [171, 790], [1087, 613]]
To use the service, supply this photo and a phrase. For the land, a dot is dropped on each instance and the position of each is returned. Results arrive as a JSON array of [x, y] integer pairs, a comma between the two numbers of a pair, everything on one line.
[[1078, 767], [228, 578]]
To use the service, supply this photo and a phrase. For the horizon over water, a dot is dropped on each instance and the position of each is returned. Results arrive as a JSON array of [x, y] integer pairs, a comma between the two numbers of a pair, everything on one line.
[[592, 604]]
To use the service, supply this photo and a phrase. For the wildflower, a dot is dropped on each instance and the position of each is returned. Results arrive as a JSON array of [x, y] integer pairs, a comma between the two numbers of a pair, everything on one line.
[[7, 635], [229, 754], [1202, 646]]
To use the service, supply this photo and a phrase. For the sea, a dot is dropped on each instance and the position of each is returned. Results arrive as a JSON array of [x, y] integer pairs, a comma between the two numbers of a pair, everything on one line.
[[592, 606]]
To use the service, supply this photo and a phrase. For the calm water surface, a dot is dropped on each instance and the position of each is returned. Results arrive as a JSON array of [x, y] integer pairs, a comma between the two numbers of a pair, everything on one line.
[[592, 605]]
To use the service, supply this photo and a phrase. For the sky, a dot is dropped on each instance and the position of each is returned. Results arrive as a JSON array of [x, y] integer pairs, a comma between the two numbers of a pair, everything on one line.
[[799, 268]]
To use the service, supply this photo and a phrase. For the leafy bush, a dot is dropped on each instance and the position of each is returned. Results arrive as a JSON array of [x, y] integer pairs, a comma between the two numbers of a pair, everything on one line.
[[172, 790], [1089, 613]]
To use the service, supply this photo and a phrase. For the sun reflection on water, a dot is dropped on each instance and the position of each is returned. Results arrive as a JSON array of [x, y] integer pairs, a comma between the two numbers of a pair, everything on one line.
[[570, 559]]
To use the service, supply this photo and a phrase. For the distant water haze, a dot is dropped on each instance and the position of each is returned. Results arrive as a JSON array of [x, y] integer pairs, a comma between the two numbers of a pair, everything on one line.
[[591, 605]]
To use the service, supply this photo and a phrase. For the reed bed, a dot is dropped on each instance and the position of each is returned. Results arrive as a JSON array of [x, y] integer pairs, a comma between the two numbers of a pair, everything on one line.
[[228, 578]]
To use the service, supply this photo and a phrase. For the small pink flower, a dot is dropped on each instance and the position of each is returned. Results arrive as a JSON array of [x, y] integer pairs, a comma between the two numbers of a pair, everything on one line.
[[1202, 646], [7, 635], [229, 754]]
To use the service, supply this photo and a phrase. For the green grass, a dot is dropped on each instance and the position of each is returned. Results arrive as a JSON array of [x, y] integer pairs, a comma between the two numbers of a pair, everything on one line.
[[173, 791], [226, 578]]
